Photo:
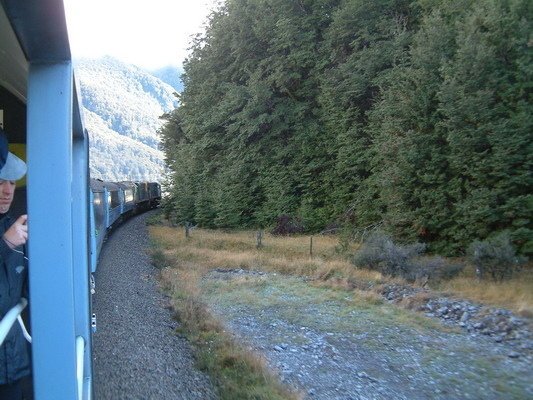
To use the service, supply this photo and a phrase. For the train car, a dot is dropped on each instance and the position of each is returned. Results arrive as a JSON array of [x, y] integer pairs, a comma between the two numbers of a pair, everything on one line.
[[129, 189], [154, 188], [115, 200], [142, 199], [98, 219], [41, 114]]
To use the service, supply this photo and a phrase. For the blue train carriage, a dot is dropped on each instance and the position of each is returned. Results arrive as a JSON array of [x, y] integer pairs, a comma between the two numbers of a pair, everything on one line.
[[142, 198], [129, 189], [41, 112], [98, 217], [115, 199], [112, 202]]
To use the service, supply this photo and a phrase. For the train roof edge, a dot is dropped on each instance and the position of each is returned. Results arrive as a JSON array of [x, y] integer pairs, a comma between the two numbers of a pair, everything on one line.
[[41, 29]]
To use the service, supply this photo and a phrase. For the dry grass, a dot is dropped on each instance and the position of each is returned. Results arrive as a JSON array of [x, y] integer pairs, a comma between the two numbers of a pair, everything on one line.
[[218, 249], [208, 249], [515, 294]]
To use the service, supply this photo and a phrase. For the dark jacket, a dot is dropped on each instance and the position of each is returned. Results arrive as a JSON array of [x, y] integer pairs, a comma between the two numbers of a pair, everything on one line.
[[14, 354]]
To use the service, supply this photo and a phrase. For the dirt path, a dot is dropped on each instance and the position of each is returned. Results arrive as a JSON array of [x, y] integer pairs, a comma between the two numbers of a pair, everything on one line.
[[334, 345]]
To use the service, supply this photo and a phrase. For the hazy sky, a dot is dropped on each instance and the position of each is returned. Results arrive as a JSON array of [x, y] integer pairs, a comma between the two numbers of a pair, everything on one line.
[[149, 33]]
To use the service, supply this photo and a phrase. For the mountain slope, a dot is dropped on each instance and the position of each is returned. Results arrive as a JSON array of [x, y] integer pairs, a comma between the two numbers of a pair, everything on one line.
[[170, 75], [122, 105], [114, 157]]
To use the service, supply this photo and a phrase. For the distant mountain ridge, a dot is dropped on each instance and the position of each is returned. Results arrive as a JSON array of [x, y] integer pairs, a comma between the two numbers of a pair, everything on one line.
[[122, 105], [170, 75]]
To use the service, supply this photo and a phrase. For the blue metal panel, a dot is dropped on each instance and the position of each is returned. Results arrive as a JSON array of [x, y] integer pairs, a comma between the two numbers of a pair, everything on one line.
[[114, 214], [92, 232], [98, 219], [99, 231], [80, 233], [107, 201], [49, 147]]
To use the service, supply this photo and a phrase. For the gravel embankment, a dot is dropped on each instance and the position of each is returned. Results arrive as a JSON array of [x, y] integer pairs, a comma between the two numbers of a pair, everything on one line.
[[332, 346], [135, 350]]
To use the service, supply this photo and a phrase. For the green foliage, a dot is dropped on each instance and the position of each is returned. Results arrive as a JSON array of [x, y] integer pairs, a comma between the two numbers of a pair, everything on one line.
[[411, 114]]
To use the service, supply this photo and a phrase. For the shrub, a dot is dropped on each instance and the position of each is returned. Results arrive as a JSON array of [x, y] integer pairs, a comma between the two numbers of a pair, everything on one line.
[[433, 269], [287, 225], [380, 253], [495, 257]]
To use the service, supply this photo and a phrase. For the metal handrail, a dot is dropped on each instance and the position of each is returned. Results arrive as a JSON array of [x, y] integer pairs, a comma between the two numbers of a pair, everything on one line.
[[80, 350], [10, 318]]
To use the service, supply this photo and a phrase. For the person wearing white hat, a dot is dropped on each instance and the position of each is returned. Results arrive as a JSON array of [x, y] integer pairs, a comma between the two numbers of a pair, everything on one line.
[[14, 352]]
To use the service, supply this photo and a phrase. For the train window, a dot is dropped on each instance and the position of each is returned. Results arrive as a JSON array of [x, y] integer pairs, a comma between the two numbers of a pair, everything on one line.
[[99, 209], [128, 193], [115, 199]]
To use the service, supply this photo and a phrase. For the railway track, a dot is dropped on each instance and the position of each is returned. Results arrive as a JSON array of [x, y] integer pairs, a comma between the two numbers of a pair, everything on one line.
[[136, 354]]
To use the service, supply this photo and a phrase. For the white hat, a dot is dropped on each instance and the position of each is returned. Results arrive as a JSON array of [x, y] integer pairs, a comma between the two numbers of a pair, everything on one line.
[[12, 168]]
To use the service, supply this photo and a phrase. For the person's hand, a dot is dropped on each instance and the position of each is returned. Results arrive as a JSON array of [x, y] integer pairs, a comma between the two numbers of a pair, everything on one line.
[[17, 234]]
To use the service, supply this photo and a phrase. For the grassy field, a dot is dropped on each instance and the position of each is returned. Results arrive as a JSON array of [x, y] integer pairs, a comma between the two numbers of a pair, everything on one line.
[[218, 249], [291, 255], [515, 294]]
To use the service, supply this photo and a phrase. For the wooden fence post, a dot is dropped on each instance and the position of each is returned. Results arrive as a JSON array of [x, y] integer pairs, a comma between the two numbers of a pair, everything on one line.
[[259, 238], [187, 227], [311, 247]]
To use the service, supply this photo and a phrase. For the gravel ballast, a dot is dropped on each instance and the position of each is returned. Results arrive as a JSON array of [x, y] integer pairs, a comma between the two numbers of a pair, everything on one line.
[[136, 354]]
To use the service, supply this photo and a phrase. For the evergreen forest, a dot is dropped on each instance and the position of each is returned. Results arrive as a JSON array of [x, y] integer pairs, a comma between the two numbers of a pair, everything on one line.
[[412, 115]]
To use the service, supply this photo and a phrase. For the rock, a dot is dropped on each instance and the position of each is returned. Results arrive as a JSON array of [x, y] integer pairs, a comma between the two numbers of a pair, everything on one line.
[[465, 317], [479, 325], [513, 354]]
